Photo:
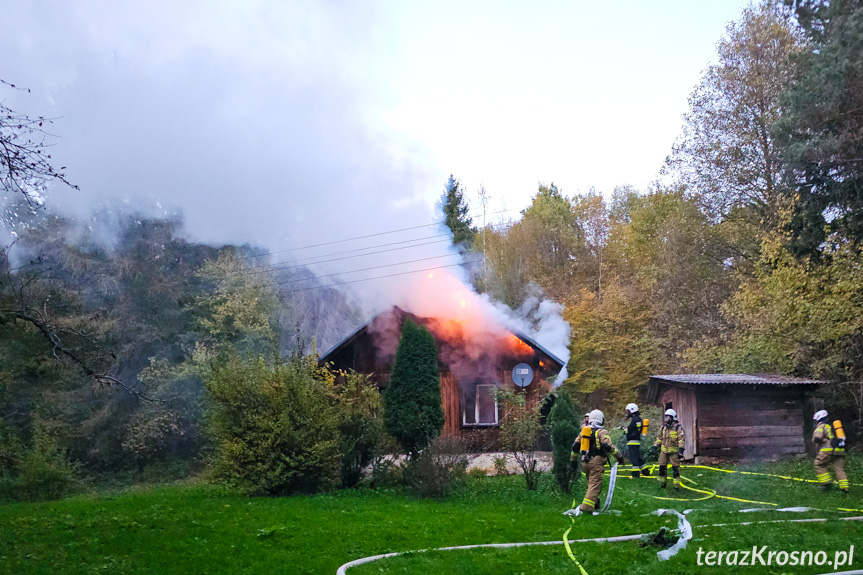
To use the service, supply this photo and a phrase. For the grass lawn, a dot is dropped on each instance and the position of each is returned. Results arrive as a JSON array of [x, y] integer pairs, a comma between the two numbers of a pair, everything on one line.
[[201, 529]]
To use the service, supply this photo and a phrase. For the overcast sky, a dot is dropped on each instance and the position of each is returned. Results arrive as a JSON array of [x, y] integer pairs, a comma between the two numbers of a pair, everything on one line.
[[287, 123]]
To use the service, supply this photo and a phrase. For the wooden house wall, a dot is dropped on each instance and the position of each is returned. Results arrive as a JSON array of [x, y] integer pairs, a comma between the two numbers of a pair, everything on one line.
[[451, 403], [745, 421], [684, 402]]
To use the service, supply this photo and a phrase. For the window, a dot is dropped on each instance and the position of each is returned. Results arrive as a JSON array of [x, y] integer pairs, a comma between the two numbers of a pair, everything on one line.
[[479, 405]]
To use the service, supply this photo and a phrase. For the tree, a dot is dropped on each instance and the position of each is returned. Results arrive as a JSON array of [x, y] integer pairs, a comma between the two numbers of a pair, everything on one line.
[[519, 433], [25, 164], [412, 402], [565, 424], [726, 155], [275, 428], [821, 133], [455, 210]]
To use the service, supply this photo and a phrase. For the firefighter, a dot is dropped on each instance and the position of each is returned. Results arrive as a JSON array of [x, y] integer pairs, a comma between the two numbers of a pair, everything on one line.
[[670, 440], [633, 440], [830, 444], [594, 452]]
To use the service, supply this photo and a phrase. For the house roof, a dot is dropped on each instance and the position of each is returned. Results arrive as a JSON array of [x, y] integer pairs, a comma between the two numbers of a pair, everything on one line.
[[362, 329], [656, 381]]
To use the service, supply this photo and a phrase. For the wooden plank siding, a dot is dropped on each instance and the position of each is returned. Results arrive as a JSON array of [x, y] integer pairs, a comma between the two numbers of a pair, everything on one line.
[[745, 421], [451, 403], [684, 402]]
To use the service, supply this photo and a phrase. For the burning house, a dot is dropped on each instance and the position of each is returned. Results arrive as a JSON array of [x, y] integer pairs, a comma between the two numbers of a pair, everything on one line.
[[475, 358]]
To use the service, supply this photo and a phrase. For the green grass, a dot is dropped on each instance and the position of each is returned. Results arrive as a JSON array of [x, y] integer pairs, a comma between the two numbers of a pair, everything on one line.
[[200, 529]]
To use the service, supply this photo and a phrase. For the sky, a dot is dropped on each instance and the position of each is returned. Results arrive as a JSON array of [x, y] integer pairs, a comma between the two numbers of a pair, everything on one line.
[[291, 123]]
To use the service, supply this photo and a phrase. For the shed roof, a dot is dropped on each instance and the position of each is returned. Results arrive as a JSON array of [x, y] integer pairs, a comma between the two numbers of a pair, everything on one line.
[[737, 378], [656, 381]]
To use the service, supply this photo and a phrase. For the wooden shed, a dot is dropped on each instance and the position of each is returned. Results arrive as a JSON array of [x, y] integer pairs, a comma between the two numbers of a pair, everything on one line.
[[737, 416], [469, 373]]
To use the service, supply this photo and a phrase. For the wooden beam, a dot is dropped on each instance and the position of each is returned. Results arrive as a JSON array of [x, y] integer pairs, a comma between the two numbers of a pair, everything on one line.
[[732, 433]]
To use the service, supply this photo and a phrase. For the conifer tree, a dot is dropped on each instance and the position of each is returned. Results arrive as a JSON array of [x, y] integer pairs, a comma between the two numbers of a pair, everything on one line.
[[564, 422], [455, 210], [412, 402]]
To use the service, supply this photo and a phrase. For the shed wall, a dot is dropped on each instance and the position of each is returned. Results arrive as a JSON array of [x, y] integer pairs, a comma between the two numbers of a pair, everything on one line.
[[746, 421], [683, 400]]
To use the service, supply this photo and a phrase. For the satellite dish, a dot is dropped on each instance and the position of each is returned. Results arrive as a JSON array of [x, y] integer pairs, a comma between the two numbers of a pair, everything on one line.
[[522, 375]]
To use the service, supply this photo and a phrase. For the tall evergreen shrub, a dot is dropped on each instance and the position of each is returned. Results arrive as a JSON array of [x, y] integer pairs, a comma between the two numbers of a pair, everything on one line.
[[412, 402], [565, 424]]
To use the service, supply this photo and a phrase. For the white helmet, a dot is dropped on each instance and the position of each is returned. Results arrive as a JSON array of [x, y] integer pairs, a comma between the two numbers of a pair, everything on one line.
[[819, 415], [671, 412], [595, 417], [631, 408]]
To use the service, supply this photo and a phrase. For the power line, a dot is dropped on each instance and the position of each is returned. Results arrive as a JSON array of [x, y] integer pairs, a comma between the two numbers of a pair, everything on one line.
[[364, 269], [364, 237], [280, 267], [293, 264], [381, 277]]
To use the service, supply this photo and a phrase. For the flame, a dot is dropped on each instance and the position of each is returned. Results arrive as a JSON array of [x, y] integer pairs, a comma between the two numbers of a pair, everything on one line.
[[518, 346]]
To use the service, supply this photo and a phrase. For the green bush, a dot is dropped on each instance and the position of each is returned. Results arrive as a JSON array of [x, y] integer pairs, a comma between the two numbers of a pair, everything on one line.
[[412, 403], [361, 424], [38, 472], [565, 423], [439, 469], [275, 428]]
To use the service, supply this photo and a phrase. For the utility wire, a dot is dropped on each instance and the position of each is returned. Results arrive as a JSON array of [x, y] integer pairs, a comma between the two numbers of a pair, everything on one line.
[[366, 236], [381, 277], [266, 268], [280, 267], [363, 269]]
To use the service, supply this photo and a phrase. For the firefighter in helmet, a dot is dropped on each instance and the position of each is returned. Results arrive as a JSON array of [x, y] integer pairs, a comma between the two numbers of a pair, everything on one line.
[[633, 440], [830, 443], [671, 441], [593, 446]]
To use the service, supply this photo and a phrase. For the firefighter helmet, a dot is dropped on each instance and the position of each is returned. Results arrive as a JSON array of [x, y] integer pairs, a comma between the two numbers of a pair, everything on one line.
[[819, 415], [631, 408], [595, 417], [671, 412]]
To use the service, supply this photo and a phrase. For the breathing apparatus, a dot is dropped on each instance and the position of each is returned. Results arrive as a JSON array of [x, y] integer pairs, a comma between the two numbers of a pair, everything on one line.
[[588, 432], [644, 423], [839, 441]]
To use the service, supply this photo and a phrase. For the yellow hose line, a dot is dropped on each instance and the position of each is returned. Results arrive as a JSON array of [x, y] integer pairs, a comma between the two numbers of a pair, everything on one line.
[[786, 477], [569, 551]]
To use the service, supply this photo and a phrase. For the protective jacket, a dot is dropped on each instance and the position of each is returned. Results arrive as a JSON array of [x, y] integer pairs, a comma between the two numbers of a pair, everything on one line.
[[671, 437], [594, 464], [600, 446], [633, 430], [825, 440], [830, 451]]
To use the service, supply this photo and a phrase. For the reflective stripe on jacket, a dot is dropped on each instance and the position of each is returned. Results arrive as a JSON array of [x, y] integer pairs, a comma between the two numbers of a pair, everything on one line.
[[823, 437], [633, 431], [671, 437]]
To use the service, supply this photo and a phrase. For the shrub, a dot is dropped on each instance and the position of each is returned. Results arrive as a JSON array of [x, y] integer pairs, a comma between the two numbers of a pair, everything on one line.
[[361, 424], [439, 469], [412, 402], [565, 424], [520, 432], [275, 429], [500, 468], [41, 471], [477, 472]]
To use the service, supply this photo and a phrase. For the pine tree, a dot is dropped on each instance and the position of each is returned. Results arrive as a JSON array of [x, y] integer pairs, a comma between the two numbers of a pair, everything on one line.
[[564, 423], [412, 402], [455, 211]]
